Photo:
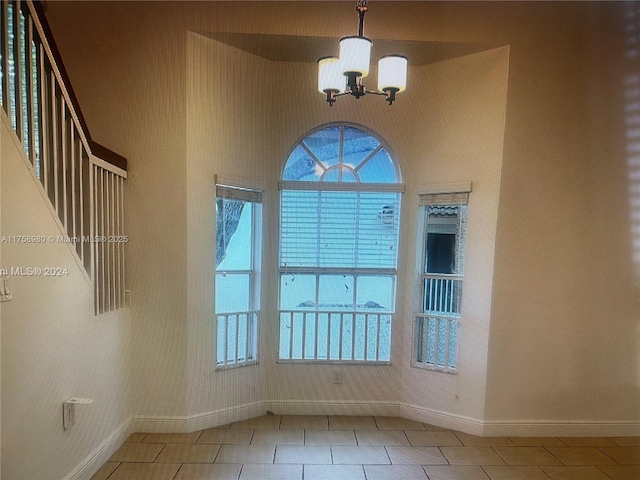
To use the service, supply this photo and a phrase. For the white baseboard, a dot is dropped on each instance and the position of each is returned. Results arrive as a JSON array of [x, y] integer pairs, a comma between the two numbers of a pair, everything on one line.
[[442, 419], [159, 424], [201, 421], [224, 416], [389, 409], [332, 407], [90, 465], [153, 424], [559, 428], [530, 428]]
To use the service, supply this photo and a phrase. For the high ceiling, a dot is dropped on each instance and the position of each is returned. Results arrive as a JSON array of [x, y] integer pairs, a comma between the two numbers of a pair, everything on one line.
[[295, 48]]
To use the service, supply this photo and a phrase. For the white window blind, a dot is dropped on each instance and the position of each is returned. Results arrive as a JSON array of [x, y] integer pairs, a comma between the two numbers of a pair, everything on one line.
[[235, 193], [444, 199], [345, 229]]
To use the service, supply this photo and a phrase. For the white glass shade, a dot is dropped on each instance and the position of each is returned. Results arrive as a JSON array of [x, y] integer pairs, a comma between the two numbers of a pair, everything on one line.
[[330, 75], [355, 55], [392, 73]]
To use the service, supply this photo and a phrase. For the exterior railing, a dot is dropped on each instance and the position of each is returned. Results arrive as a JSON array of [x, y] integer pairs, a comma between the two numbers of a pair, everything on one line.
[[436, 340], [442, 293], [436, 328], [337, 336], [237, 338], [82, 180]]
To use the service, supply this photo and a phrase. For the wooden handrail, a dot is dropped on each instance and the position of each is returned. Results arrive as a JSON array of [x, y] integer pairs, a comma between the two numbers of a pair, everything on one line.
[[98, 150], [83, 181]]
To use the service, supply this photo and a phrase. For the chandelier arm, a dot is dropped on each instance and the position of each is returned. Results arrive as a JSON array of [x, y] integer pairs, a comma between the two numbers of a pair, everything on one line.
[[356, 66], [389, 94]]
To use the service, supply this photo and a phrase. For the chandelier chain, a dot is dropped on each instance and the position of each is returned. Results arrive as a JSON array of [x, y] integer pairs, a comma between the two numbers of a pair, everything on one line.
[[361, 8]]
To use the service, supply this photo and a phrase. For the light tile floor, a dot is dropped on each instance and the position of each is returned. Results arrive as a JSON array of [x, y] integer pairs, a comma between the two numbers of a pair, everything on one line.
[[365, 448]]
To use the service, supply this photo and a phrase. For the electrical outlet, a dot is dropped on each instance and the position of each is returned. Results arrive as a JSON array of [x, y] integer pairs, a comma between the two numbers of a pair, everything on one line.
[[68, 415], [336, 377], [69, 410]]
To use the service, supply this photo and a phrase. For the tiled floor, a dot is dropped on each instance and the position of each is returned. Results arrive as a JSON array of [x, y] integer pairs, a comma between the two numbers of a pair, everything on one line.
[[365, 448]]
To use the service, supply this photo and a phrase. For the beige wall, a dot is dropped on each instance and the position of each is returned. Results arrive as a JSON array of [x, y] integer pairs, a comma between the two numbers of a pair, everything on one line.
[[53, 347], [227, 137], [547, 135], [566, 316], [460, 138], [449, 152], [563, 329], [136, 107]]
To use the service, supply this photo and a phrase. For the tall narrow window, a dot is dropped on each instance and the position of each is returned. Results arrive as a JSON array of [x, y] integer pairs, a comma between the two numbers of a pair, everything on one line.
[[24, 63], [442, 222], [36, 98], [237, 279], [3, 55], [11, 64], [339, 221]]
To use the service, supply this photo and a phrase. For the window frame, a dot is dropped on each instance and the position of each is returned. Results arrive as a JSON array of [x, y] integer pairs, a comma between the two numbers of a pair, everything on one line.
[[438, 195], [322, 271], [253, 196]]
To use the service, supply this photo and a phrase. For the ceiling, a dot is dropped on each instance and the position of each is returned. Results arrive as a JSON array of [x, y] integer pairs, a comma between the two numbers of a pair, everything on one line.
[[297, 48]]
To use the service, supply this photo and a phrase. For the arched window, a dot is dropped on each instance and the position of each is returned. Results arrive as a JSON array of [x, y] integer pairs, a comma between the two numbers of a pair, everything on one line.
[[339, 225]]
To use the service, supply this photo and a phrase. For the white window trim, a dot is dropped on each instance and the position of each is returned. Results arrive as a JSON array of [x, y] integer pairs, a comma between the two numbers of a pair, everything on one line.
[[355, 271], [239, 183], [339, 186], [434, 194], [445, 188], [254, 194]]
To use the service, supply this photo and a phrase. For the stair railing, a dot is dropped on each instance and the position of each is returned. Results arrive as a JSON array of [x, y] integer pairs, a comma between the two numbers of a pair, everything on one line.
[[83, 180]]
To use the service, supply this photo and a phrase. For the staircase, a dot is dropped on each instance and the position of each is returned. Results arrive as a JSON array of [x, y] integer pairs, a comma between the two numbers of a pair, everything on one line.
[[82, 180]]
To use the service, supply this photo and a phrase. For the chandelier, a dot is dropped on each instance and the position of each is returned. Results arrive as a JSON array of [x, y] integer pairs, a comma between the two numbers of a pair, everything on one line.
[[343, 75]]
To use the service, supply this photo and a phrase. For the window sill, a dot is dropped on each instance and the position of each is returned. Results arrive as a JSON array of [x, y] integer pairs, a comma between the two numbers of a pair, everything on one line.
[[335, 362], [434, 368], [231, 366]]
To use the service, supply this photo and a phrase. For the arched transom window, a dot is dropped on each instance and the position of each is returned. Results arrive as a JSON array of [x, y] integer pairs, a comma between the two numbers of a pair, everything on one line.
[[339, 225], [341, 153]]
